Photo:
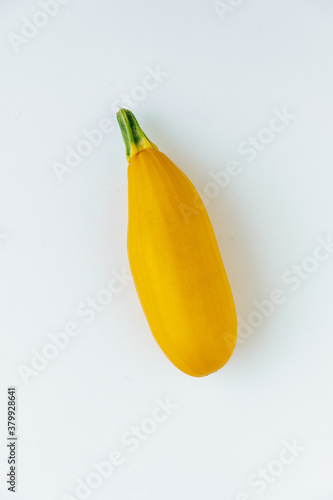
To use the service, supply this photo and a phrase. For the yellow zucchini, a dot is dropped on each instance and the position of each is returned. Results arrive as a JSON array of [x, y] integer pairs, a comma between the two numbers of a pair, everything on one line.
[[175, 261]]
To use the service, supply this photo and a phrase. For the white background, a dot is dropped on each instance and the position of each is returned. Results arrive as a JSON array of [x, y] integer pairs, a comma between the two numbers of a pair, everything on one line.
[[62, 239]]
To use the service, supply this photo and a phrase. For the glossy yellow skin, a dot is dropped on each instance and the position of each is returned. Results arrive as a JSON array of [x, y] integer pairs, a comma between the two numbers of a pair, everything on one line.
[[177, 267]]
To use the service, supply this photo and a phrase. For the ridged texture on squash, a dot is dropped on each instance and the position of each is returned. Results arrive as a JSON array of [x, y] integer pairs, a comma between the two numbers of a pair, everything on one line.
[[177, 267]]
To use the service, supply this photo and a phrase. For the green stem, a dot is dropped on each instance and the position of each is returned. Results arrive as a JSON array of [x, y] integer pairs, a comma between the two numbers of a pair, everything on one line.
[[134, 138]]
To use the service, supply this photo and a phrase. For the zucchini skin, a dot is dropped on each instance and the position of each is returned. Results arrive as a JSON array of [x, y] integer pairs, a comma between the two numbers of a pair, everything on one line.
[[177, 267]]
